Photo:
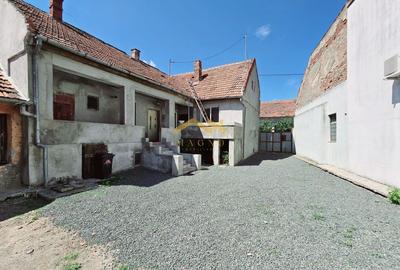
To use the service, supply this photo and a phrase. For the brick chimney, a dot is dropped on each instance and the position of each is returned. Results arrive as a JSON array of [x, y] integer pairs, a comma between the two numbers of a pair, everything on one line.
[[56, 9], [135, 54], [198, 70]]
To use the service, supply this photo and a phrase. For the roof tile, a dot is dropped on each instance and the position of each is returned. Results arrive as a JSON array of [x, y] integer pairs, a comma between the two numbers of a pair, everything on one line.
[[279, 108]]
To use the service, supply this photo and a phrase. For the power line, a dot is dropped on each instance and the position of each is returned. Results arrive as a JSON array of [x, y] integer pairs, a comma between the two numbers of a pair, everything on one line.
[[281, 74], [210, 56]]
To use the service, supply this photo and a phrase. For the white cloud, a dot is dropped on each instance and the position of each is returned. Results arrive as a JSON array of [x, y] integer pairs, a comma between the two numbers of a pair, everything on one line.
[[150, 62], [263, 31]]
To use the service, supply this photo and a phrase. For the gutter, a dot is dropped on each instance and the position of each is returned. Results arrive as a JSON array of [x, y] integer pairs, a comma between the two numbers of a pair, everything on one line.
[[37, 44]]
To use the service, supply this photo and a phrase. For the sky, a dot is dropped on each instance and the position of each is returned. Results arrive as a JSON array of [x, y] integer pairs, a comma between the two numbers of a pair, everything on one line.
[[281, 33]]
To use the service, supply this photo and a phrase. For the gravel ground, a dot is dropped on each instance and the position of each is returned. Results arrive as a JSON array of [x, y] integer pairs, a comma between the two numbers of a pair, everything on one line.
[[274, 212]]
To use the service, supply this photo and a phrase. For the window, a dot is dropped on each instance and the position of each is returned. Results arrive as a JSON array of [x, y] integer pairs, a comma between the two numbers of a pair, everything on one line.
[[252, 85], [213, 114], [93, 103], [64, 107], [332, 123]]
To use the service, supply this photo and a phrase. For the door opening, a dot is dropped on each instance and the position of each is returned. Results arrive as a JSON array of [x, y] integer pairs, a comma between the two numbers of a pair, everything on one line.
[[153, 125]]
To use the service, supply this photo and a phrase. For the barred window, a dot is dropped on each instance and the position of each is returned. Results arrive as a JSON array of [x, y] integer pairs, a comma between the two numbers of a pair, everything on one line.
[[333, 127]]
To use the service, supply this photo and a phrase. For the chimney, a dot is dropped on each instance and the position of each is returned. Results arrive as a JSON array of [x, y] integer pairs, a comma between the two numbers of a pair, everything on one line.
[[56, 9], [135, 54], [198, 71]]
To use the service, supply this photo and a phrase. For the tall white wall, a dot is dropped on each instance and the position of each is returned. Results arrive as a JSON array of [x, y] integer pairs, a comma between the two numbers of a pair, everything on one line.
[[251, 101], [373, 103], [13, 30], [312, 128]]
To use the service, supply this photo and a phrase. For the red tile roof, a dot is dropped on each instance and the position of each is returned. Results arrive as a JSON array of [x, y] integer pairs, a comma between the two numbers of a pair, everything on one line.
[[7, 88], [279, 108], [39, 22], [227, 81]]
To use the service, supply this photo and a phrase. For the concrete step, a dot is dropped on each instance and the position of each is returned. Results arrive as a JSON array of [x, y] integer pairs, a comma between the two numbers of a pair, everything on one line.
[[188, 169]]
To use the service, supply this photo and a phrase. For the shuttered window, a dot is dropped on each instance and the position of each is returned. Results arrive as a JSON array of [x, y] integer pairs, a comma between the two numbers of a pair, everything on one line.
[[64, 107], [333, 127]]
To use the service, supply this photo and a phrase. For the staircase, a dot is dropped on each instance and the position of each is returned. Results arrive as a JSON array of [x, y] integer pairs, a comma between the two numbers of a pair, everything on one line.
[[166, 158]]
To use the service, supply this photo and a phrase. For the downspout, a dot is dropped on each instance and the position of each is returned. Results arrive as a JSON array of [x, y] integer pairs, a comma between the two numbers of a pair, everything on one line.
[[37, 44]]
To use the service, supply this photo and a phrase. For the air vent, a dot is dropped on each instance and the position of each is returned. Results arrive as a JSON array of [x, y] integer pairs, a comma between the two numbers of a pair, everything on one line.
[[392, 68]]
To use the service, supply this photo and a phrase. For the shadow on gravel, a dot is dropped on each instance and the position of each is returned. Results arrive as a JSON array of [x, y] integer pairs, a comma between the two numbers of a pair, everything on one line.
[[141, 177], [258, 158], [18, 206]]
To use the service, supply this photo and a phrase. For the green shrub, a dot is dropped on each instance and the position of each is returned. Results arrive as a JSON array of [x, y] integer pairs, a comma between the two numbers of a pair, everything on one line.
[[394, 195], [281, 125], [225, 157]]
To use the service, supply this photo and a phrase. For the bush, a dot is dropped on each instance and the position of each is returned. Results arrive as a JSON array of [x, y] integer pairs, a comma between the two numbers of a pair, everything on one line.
[[225, 157], [281, 125], [394, 195]]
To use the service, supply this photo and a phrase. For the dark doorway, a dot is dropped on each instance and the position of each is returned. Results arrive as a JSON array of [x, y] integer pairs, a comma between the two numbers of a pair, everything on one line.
[[153, 125], [199, 146], [3, 140]]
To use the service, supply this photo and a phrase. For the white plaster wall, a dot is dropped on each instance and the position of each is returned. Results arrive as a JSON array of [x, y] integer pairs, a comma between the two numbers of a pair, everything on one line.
[[230, 110], [13, 30], [251, 101], [373, 103], [312, 129]]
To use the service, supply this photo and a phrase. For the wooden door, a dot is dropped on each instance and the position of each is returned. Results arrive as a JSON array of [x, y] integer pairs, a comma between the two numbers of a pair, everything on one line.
[[153, 125]]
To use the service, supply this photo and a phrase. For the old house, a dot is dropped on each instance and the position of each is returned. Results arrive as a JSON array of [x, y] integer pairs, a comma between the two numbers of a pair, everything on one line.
[[88, 97], [348, 112], [11, 134]]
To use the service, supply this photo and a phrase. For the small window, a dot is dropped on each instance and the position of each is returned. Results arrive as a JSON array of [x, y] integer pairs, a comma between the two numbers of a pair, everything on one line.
[[333, 127], [252, 85], [215, 114], [3, 140], [93, 103]]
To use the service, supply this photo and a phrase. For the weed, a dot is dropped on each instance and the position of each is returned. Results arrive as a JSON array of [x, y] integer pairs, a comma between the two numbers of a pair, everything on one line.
[[273, 251], [349, 236], [319, 217], [73, 266], [123, 267], [378, 255], [109, 182], [225, 157], [71, 256], [394, 195]]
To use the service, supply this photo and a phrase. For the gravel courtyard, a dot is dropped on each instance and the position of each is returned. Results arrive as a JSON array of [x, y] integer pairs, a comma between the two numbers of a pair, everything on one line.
[[274, 212]]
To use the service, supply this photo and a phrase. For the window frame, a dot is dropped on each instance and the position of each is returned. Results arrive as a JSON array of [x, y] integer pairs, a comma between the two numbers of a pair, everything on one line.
[[333, 128], [97, 103]]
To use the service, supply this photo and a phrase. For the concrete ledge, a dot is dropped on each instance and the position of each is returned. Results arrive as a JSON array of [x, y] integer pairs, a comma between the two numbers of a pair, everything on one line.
[[360, 181]]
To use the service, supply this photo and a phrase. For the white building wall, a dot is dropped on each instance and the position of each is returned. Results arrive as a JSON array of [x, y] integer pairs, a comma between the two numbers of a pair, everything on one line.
[[251, 101], [312, 128], [13, 31], [373, 103]]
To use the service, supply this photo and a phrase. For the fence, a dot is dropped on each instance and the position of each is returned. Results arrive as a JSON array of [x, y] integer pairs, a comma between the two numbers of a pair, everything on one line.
[[281, 142]]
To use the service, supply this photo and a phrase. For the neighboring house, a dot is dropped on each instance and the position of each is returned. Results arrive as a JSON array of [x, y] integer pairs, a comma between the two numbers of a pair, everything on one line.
[[11, 138], [348, 110], [277, 110], [274, 115], [88, 96]]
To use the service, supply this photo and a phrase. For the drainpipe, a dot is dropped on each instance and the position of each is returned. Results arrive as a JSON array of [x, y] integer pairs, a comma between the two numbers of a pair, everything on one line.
[[37, 44]]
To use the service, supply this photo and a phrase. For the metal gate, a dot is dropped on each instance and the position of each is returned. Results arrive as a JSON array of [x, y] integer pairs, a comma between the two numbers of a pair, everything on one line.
[[281, 142]]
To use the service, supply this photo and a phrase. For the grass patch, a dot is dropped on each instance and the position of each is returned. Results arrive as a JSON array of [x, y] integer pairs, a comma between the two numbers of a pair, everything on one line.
[[110, 181], [319, 217], [349, 236], [73, 266], [123, 267], [394, 195], [71, 256]]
